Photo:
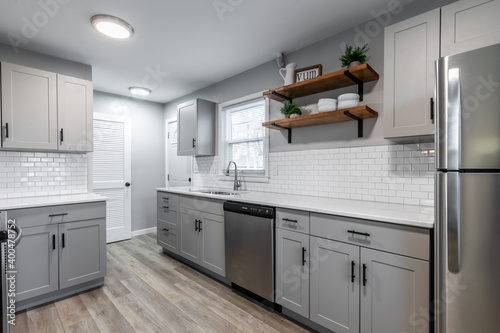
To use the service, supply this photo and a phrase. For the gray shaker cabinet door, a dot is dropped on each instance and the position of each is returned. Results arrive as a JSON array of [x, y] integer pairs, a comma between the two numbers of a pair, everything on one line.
[[189, 235], [212, 247], [292, 274], [29, 108], [396, 295], [335, 281], [82, 251], [37, 262], [187, 128]]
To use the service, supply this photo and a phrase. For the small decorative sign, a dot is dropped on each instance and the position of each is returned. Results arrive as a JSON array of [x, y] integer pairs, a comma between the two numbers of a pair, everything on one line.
[[307, 73]]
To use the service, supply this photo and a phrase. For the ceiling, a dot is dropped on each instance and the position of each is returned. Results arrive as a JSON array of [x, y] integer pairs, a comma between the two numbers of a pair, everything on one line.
[[179, 46]]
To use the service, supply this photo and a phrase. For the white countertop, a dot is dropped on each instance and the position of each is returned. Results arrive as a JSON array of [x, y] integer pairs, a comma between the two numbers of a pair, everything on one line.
[[417, 216], [49, 200]]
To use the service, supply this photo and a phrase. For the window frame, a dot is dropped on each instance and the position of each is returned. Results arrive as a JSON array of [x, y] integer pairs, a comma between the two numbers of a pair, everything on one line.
[[245, 176]]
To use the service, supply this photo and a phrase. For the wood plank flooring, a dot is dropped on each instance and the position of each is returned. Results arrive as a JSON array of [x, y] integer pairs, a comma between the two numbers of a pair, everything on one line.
[[147, 291]]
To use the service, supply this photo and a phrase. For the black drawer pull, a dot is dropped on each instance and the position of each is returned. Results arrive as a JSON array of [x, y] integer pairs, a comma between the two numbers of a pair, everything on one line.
[[288, 220], [61, 214], [62, 135], [6, 130], [364, 275], [53, 242], [164, 207], [303, 256], [165, 229], [353, 265], [358, 233], [165, 198], [63, 242]]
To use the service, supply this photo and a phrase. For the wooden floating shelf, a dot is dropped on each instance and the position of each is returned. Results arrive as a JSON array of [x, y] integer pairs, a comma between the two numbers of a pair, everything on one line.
[[358, 113], [339, 79], [337, 116]]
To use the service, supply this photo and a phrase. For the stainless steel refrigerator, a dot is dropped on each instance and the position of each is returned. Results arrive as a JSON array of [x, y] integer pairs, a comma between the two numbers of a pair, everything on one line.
[[467, 284]]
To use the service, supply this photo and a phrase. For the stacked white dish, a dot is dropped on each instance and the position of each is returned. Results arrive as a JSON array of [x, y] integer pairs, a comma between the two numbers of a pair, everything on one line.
[[327, 104], [347, 101]]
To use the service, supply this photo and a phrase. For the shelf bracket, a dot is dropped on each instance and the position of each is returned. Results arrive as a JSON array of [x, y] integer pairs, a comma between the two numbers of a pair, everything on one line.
[[357, 81], [360, 122], [281, 96], [285, 128]]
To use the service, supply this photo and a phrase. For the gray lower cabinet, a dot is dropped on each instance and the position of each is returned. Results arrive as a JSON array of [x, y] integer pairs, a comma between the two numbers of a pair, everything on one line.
[[168, 216], [202, 239], [37, 262], [335, 285], [292, 271], [62, 247], [82, 252]]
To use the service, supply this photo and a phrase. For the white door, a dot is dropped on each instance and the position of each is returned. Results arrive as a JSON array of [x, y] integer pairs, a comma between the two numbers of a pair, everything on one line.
[[179, 167], [112, 174]]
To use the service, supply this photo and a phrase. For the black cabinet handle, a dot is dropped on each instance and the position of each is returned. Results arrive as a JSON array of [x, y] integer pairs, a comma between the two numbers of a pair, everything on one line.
[[288, 220], [199, 225], [164, 198], [6, 130], [195, 225], [432, 108], [63, 242], [353, 265], [53, 242], [358, 233], [165, 229], [60, 214], [164, 207], [62, 135], [194, 143], [303, 256], [364, 275]]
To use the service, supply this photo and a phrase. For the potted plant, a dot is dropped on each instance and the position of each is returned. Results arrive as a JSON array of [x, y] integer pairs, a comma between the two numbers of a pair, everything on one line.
[[290, 108], [354, 56]]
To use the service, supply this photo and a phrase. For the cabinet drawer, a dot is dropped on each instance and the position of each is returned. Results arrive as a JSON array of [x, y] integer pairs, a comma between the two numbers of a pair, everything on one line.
[[290, 219], [168, 215], [211, 206], [167, 238], [32, 217], [408, 241], [167, 198]]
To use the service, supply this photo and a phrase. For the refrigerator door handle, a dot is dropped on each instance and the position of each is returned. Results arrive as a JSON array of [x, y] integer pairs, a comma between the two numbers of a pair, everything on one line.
[[453, 223], [454, 116]]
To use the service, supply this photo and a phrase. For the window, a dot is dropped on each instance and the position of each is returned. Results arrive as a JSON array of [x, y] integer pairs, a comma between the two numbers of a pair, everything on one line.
[[243, 139]]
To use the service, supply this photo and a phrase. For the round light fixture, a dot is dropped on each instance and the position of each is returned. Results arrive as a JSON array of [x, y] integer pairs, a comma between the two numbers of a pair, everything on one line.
[[139, 91], [112, 26]]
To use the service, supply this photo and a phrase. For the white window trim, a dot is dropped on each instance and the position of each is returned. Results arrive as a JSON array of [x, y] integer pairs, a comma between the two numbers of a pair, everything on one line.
[[222, 157]]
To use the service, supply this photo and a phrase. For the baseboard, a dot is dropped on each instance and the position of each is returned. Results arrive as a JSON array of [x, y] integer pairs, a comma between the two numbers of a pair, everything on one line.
[[143, 231]]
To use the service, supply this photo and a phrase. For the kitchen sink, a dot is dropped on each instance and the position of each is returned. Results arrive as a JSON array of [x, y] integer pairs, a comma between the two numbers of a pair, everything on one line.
[[216, 192]]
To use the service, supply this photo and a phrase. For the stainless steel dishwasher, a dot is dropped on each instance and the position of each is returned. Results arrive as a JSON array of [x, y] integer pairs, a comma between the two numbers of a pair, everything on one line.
[[249, 243]]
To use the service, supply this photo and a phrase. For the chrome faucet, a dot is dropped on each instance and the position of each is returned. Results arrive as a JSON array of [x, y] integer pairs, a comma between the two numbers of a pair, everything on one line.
[[237, 183]]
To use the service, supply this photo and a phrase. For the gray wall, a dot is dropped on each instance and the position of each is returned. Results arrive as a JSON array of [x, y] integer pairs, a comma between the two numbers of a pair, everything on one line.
[[45, 62], [327, 53], [148, 152]]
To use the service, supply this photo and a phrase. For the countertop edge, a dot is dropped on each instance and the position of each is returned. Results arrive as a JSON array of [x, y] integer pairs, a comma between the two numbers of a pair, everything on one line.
[[51, 200], [389, 217]]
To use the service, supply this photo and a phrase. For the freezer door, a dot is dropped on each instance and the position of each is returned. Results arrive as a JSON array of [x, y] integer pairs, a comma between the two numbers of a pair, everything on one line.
[[468, 272], [468, 110]]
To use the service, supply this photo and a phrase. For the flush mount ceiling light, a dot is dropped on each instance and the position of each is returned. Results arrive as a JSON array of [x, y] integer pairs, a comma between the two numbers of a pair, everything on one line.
[[112, 26], [139, 91]]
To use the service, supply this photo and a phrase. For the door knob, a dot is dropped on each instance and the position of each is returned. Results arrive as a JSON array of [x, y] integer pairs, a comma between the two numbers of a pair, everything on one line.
[[127, 184]]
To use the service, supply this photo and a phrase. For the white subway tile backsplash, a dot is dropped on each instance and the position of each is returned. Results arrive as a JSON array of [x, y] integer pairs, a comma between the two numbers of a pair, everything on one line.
[[26, 174], [392, 173]]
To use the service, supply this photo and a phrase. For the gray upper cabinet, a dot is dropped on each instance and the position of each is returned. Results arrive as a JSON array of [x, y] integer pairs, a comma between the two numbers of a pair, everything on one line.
[[29, 108], [74, 107], [410, 49], [45, 111], [395, 295], [468, 25], [196, 128]]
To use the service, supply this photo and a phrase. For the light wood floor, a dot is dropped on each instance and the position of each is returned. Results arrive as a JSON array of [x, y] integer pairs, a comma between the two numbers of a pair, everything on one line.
[[147, 291]]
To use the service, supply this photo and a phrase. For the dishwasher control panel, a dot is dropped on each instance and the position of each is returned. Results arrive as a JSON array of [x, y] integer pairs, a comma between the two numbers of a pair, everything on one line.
[[254, 210]]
